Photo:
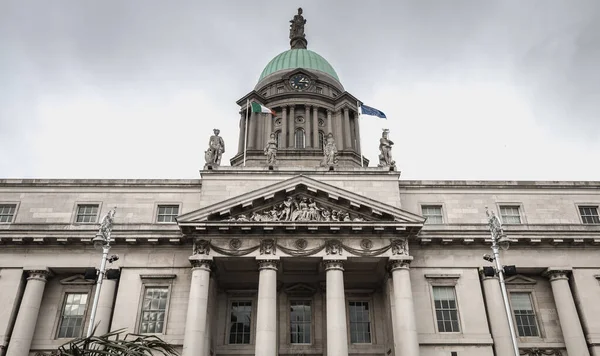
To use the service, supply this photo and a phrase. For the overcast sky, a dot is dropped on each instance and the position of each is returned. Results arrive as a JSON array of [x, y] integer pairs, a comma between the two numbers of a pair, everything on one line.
[[132, 89]]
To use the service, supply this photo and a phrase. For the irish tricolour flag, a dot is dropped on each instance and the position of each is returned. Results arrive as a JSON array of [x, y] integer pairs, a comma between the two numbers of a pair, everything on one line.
[[256, 107]]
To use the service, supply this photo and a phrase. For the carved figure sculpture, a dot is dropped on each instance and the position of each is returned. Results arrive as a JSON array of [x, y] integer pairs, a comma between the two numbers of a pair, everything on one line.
[[297, 25], [400, 247], [385, 147], [329, 152], [271, 150], [216, 148]]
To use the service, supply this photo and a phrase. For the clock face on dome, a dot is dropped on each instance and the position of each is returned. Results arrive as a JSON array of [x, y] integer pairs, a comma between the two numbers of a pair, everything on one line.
[[300, 82]]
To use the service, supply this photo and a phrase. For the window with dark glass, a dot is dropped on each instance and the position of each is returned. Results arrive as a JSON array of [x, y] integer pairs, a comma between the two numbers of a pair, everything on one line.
[[589, 214], [446, 311], [167, 213], [524, 314], [321, 139], [433, 213], [7, 212], [300, 322], [154, 310], [72, 316], [360, 322], [239, 322], [87, 213], [278, 138], [510, 214], [299, 138]]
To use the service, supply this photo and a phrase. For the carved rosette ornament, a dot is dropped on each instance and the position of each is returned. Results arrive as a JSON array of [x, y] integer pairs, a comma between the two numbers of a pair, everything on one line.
[[39, 275], [268, 264], [557, 274], [333, 247], [235, 244], [366, 244], [400, 247], [333, 265], [267, 247], [301, 244], [201, 247]]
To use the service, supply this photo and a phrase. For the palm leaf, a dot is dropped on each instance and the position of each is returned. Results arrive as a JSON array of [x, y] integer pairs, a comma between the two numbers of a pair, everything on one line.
[[115, 344]]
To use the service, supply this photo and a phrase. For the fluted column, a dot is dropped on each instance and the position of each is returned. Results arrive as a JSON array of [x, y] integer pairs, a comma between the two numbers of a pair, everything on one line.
[[266, 310], [347, 137], [307, 137], [337, 334], [284, 125], [497, 315], [194, 338], [329, 123], [106, 303], [315, 126], [22, 335], [567, 313], [406, 340], [292, 126]]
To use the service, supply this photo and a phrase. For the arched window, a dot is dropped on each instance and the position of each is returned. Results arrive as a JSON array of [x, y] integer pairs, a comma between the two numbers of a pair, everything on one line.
[[299, 138], [321, 139], [278, 138]]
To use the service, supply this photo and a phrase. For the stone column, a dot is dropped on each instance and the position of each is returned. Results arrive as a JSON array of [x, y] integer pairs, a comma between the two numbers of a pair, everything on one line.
[[315, 127], [194, 338], [266, 310], [337, 334], [284, 125], [22, 335], [210, 316], [338, 133], [497, 315], [307, 137], [347, 137], [268, 127], [406, 340], [357, 133], [252, 130], [106, 303], [292, 126], [329, 123], [567, 313], [242, 131]]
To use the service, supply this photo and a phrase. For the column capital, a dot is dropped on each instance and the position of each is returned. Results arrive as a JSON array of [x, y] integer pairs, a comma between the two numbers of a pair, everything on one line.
[[557, 273], [40, 274], [334, 264], [398, 264], [267, 264], [200, 261], [329, 112]]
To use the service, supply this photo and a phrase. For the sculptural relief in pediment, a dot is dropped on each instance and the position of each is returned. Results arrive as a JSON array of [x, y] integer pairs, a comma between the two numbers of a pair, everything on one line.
[[298, 208]]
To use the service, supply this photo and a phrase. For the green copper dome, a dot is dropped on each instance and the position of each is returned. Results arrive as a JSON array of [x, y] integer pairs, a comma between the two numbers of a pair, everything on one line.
[[298, 58]]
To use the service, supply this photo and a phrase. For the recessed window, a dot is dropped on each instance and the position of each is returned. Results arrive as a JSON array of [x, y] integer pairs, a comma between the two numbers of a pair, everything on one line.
[[278, 138], [280, 90], [87, 213], [524, 314], [433, 213], [7, 212], [360, 322], [589, 214], [321, 139], [446, 310], [154, 310], [300, 322], [299, 138], [72, 316], [510, 214], [239, 322], [319, 90], [167, 213]]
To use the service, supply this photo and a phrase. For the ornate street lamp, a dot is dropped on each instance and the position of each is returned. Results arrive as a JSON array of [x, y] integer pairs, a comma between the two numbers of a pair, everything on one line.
[[500, 240], [102, 241]]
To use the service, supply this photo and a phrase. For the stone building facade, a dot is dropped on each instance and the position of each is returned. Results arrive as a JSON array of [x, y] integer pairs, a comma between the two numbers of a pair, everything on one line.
[[300, 258]]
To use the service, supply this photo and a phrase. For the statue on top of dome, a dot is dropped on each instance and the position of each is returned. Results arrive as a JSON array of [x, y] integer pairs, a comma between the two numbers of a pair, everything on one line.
[[297, 37]]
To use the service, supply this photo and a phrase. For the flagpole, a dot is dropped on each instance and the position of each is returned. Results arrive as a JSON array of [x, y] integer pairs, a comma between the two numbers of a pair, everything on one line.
[[360, 136], [246, 130]]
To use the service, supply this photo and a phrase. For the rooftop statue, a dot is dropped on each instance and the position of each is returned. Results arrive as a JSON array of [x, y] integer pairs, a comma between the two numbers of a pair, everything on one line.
[[271, 150], [385, 147], [216, 148], [297, 37]]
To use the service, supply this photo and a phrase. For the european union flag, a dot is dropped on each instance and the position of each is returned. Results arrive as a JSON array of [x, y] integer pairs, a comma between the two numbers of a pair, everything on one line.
[[367, 110]]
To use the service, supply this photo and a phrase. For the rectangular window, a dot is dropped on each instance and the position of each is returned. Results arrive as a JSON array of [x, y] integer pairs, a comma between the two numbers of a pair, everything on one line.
[[7, 212], [524, 314], [154, 309], [87, 213], [510, 214], [319, 90], [433, 213], [589, 214], [240, 321], [446, 310], [72, 317], [300, 322], [360, 323], [167, 213]]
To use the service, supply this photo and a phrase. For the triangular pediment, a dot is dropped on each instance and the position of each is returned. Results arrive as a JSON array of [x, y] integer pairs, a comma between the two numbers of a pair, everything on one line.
[[301, 200], [77, 279], [520, 279]]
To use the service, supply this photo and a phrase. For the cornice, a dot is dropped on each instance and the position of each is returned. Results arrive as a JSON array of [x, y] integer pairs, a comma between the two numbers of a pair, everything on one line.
[[492, 184], [128, 183]]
